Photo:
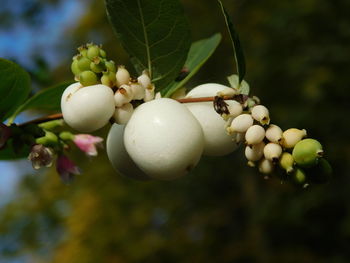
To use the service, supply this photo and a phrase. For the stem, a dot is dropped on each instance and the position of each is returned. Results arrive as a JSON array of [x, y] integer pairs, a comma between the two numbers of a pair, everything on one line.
[[185, 100], [43, 119]]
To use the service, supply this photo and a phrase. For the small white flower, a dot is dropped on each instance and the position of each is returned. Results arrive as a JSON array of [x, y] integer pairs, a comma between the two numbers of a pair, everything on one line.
[[274, 133], [122, 76], [272, 151], [123, 114]]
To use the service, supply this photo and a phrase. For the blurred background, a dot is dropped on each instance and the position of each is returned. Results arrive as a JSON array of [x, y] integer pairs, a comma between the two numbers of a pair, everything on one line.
[[297, 54]]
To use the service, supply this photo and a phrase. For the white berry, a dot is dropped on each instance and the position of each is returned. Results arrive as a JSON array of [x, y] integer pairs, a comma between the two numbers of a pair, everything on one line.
[[164, 139], [119, 157], [216, 141], [87, 109]]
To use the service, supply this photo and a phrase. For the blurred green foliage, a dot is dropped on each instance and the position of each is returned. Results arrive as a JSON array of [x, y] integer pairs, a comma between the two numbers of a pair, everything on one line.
[[298, 55]]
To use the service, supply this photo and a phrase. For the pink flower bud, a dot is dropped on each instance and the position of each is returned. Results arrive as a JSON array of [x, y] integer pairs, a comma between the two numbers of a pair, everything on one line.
[[40, 156], [66, 168], [88, 143]]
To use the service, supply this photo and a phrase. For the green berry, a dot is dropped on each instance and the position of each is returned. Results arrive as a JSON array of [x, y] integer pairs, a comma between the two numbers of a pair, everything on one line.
[[74, 67], [102, 53], [299, 177], [108, 79], [97, 65], [287, 162], [110, 65], [307, 152], [83, 51], [88, 78], [93, 51], [83, 63]]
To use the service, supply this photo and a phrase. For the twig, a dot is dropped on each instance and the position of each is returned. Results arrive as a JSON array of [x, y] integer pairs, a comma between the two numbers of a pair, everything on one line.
[[184, 100]]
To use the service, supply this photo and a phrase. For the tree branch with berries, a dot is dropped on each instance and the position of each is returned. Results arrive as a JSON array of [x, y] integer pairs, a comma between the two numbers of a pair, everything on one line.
[[158, 129]]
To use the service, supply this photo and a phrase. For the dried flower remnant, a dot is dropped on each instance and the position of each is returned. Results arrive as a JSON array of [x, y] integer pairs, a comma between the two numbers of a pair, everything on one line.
[[41, 156], [66, 168]]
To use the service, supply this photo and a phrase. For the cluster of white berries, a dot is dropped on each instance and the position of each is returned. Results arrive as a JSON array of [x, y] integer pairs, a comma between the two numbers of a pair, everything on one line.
[[102, 93], [267, 145], [163, 138]]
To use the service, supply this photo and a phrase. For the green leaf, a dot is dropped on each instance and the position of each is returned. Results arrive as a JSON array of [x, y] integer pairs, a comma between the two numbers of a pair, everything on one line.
[[8, 152], [236, 44], [199, 53], [47, 99], [14, 87], [155, 33], [243, 88]]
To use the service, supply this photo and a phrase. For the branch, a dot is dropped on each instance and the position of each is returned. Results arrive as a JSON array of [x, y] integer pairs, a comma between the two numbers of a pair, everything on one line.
[[57, 116]]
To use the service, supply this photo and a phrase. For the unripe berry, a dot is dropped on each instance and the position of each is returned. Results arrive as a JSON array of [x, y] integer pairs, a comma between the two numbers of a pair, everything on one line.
[[108, 79], [261, 114], [255, 134], [110, 65], [255, 152], [118, 155], [138, 91], [122, 76], [164, 139], [88, 78], [287, 162], [272, 151], [216, 141], [82, 51], [93, 51], [102, 53], [299, 177], [241, 123], [266, 166], [123, 114], [74, 67], [274, 133], [83, 63], [97, 65], [291, 137], [306, 152], [144, 80], [123, 95], [87, 109]]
